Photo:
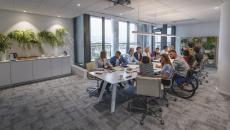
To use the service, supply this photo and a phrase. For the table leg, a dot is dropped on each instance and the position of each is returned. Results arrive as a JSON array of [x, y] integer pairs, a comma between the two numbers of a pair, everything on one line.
[[113, 100], [102, 91]]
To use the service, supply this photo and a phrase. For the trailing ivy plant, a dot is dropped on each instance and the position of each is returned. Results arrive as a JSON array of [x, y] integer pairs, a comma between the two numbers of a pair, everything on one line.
[[4, 43], [48, 37], [26, 39], [60, 33]]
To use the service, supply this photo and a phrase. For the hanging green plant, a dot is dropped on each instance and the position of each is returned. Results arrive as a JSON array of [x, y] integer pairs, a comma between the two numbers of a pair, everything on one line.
[[48, 37], [60, 33], [26, 39], [4, 43]]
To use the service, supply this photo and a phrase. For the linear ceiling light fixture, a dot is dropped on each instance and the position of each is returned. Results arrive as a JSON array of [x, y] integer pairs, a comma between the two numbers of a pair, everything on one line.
[[149, 33], [152, 34]]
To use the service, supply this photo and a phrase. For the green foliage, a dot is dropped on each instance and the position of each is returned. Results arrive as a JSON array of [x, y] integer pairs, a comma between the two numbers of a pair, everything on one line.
[[210, 44], [26, 39], [211, 56], [4, 43], [53, 39], [48, 37], [60, 33]]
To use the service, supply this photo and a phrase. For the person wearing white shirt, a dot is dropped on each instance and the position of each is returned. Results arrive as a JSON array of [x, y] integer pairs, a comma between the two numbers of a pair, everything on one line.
[[130, 56], [165, 50], [147, 53], [102, 61]]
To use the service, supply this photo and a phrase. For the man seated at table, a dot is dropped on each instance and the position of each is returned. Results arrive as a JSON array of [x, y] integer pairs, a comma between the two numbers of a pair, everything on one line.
[[146, 67], [179, 64], [102, 61], [118, 60], [138, 55]]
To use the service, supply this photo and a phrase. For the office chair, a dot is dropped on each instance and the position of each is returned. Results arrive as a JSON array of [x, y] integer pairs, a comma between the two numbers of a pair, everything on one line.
[[147, 89], [92, 90], [166, 85]]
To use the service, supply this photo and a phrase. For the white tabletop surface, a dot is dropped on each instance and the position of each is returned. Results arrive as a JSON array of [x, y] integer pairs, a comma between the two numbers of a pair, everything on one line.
[[119, 74]]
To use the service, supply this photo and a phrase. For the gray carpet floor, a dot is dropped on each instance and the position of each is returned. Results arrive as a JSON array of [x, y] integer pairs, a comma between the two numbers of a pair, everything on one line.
[[64, 104]]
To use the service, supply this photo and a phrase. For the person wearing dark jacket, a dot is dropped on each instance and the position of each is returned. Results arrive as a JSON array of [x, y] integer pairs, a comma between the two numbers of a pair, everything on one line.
[[138, 55]]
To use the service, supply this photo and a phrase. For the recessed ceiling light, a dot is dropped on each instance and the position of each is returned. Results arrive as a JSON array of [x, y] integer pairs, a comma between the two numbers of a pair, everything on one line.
[[24, 11], [59, 16], [78, 4], [216, 8], [121, 14]]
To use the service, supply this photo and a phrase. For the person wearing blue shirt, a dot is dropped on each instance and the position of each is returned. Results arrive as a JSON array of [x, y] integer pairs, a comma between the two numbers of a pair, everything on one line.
[[118, 60], [138, 55]]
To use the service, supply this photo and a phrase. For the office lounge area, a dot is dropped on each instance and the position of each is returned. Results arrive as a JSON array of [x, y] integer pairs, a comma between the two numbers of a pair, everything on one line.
[[51, 78]]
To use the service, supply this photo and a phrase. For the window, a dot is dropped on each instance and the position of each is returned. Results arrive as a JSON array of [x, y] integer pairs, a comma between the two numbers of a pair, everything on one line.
[[169, 31], [158, 40], [96, 37], [122, 37], [109, 37], [132, 36]]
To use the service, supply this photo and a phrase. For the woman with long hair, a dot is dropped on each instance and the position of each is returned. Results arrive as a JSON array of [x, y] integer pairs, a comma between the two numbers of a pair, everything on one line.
[[167, 68]]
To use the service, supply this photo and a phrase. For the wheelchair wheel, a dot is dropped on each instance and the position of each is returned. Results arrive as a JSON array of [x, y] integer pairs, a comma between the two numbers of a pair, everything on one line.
[[195, 82], [183, 90]]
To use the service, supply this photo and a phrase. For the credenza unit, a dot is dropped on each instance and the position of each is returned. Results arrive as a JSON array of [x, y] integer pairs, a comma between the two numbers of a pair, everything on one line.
[[23, 71]]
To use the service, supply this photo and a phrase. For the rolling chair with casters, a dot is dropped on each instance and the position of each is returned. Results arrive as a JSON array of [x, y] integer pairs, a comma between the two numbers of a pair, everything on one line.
[[166, 85], [147, 88], [92, 90]]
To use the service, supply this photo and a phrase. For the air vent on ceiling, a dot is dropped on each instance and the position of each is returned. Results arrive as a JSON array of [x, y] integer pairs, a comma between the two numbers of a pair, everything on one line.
[[121, 2], [116, 9]]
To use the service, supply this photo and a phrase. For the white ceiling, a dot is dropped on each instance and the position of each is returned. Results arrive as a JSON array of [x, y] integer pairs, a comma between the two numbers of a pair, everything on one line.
[[156, 11]]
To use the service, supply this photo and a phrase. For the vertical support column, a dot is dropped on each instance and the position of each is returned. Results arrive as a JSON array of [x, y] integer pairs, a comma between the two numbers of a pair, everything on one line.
[[173, 39], [164, 38], [103, 33], [128, 36], [116, 35], [87, 48], [224, 47], [152, 39]]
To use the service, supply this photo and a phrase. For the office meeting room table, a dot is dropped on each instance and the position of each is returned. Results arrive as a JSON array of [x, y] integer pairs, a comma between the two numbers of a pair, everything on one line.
[[114, 77]]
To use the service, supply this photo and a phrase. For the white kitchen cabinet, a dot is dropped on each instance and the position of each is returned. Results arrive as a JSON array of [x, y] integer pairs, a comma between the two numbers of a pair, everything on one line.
[[21, 71], [66, 65], [41, 69], [56, 66], [5, 73]]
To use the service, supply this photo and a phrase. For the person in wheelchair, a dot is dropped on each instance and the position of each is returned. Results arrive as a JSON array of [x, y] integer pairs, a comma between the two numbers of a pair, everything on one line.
[[179, 64], [167, 68]]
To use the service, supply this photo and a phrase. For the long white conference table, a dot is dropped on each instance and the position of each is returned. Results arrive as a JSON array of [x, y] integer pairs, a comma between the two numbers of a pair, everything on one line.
[[114, 77]]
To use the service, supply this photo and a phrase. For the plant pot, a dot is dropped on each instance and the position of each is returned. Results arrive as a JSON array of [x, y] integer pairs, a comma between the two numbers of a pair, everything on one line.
[[207, 51], [211, 61]]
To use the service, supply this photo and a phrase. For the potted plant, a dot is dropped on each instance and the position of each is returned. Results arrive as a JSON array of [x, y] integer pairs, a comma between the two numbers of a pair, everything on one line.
[[26, 39], [211, 58], [4, 45], [208, 46]]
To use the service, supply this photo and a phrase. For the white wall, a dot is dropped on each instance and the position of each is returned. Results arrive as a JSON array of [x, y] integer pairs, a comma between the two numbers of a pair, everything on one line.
[[196, 30], [11, 20]]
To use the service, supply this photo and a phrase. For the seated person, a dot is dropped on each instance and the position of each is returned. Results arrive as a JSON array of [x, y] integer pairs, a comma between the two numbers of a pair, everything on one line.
[[188, 57], [179, 64], [118, 60], [138, 54], [167, 68], [198, 56], [156, 54], [130, 56], [147, 53], [165, 50], [102, 61], [146, 67]]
